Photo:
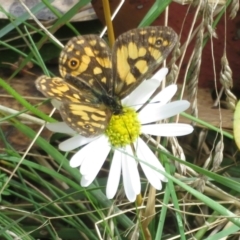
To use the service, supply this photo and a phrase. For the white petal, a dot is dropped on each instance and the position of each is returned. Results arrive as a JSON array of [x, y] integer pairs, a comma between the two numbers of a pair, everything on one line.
[[85, 181], [154, 112], [145, 154], [133, 170], [79, 157], [60, 127], [114, 174], [141, 94], [93, 169], [160, 75], [131, 179], [167, 130], [152, 177], [56, 103], [165, 95], [96, 156], [85, 152], [74, 142]]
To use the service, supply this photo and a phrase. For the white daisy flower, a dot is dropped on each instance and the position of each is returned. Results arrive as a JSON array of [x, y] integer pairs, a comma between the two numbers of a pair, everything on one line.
[[124, 130]]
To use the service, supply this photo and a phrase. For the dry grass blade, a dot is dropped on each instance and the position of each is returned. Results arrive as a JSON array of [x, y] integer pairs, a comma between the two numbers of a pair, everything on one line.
[[178, 152], [218, 157], [234, 7], [195, 69], [227, 82], [171, 77], [149, 212]]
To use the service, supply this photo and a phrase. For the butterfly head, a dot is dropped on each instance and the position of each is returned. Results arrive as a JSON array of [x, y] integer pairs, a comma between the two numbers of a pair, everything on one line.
[[112, 103]]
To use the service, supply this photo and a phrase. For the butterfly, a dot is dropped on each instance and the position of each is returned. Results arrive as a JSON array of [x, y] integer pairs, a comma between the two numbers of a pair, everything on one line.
[[95, 78]]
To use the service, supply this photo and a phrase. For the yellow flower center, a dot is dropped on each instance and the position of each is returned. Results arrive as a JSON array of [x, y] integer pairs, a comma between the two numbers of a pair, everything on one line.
[[124, 128]]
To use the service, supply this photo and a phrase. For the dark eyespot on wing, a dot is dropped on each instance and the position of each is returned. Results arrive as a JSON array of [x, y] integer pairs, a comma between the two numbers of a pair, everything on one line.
[[88, 58]]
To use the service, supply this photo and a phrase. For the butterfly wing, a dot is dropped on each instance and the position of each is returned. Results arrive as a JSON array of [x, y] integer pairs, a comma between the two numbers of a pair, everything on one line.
[[86, 63], [89, 120], [60, 90], [137, 53], [79, 109]]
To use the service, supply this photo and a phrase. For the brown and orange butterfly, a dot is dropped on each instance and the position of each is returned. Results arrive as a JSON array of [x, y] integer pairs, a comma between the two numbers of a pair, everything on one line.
[[95, 79]]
